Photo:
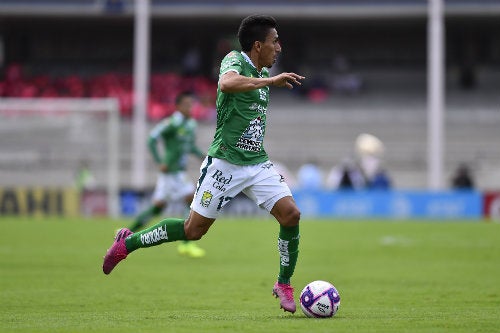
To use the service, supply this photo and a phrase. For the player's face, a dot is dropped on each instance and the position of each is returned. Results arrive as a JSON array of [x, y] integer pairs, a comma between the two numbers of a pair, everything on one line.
[[185, 106], [269, 49]]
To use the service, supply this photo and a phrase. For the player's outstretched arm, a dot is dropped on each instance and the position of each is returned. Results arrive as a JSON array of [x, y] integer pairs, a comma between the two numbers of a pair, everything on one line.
[[232, 82], [287, 80]]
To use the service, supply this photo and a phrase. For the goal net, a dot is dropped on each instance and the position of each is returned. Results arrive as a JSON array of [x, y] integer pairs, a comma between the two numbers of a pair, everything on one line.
[[50, 143]]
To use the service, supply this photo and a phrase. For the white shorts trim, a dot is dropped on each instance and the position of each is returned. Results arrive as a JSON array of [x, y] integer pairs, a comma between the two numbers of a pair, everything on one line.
[[220, 181]]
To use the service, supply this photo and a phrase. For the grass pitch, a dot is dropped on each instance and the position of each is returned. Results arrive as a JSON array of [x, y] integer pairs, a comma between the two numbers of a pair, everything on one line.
[[392, 277]]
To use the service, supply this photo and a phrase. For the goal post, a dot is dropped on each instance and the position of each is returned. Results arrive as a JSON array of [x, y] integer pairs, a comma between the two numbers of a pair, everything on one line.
[[43, 140]]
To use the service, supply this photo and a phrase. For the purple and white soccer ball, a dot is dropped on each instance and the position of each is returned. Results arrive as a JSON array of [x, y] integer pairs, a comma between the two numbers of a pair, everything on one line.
[[319, 299]]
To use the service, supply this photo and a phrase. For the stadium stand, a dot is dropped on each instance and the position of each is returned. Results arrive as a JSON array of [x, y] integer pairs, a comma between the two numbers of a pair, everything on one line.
[[164, 88], [299, 130], [388, 55]]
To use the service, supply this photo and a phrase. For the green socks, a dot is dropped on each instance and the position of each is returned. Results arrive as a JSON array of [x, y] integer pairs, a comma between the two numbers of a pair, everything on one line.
[[144, 217], [288, 247], [168, 230]]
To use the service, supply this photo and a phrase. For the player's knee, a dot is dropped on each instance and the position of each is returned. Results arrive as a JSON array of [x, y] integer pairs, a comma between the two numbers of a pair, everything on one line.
[[291, 217], [294, 217]]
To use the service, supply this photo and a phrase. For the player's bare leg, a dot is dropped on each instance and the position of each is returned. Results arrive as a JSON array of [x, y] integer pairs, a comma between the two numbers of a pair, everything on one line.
[[196, 225], [188, 247]]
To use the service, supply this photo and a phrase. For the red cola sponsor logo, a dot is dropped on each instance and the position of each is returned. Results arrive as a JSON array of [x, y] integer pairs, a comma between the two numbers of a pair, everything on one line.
[[221, 180]]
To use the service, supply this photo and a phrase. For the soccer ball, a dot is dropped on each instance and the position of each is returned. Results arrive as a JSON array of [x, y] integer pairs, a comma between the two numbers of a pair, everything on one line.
[[319, 299]]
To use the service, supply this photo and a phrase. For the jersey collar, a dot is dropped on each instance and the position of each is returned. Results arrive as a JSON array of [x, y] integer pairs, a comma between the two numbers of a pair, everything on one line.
[[247, 59], [179, 114]]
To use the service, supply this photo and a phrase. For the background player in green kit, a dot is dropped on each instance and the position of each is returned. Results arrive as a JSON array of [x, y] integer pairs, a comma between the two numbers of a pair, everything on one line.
[[236, 161], [177, 134]]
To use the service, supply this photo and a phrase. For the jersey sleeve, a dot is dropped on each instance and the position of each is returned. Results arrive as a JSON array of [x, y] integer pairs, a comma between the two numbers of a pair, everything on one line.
[[231, 63], [153, 149], [160, 129], [193, 148]]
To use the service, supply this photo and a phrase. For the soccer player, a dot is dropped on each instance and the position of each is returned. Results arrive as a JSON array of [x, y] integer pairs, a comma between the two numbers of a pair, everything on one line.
[[236, 161], [177, 134]]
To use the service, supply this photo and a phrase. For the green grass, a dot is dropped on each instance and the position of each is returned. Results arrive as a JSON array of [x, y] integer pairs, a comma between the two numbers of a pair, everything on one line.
[[392, 277]]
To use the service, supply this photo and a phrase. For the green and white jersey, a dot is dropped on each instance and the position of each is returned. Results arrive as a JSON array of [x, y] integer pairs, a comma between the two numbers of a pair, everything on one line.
[[241, 117], [178, 135]]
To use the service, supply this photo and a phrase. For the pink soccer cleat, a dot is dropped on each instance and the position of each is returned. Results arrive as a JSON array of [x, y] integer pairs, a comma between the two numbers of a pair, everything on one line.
[[117, 252], [285, 294]]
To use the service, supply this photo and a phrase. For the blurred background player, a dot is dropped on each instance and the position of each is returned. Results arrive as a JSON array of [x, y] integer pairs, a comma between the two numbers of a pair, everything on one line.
[[84, 178], [177, 134]]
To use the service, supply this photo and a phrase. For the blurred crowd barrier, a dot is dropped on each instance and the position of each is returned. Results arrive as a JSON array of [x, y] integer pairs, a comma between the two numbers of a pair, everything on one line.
[[434, 205], [392, 204]]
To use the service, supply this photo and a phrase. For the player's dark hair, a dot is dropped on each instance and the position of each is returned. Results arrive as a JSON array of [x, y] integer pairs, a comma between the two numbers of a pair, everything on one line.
[[254, 28], [181, 96]]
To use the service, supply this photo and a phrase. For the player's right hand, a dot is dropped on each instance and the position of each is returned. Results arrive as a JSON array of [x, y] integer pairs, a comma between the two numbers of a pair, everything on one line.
[[163, 168], [287, 79]]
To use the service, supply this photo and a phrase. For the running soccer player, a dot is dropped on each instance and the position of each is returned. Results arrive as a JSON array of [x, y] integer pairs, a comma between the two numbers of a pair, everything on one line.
[[177, 133], [236, 161]]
